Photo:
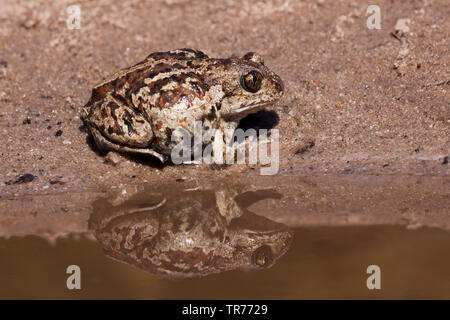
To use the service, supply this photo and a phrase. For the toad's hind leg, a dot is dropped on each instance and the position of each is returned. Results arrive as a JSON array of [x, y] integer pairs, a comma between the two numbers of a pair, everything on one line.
[[106, 145], [117, 127]]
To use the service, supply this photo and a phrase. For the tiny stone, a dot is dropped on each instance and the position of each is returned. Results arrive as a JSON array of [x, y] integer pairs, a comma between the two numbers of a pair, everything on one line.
[[304, 146], [113, 158], [443, 160], [57, 181], [67, 142], [58, 133], [27, 121], [25, 178], [401, 27]]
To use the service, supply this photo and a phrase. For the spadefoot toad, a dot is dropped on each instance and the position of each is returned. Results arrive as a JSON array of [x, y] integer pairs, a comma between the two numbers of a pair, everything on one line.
[[137, 109]]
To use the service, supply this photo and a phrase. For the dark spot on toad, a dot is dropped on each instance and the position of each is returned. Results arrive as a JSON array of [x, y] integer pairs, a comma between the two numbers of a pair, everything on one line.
[[210, 116], [126, 117], [168, 132]]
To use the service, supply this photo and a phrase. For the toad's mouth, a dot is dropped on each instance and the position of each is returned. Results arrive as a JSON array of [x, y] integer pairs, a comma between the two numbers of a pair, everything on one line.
[[251, 107], [243, 111]]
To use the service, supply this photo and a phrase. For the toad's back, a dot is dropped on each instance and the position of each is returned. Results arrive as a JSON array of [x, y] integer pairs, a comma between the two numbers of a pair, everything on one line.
[[163, 73]]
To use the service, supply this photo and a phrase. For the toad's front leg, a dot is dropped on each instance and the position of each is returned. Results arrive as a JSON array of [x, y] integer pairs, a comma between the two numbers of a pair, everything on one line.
[[223, 145]]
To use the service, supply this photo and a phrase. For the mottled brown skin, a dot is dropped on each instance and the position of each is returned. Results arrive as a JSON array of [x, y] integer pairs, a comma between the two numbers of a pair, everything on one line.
[[189, 235], [137, 109]]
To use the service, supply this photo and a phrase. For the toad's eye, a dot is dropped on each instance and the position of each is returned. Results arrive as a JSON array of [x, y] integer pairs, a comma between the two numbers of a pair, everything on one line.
[[251, 82], [262, 257]]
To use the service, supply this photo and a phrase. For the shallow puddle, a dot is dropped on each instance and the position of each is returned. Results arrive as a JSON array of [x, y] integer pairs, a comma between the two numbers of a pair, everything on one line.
[[322, 262], [232, 241]]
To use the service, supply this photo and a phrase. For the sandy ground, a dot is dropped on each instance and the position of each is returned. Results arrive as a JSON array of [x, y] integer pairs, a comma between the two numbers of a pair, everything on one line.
[[358, 101]]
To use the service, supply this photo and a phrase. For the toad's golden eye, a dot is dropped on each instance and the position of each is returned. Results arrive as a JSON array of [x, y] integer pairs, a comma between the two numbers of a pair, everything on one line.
[[262, 257], [251, 82]]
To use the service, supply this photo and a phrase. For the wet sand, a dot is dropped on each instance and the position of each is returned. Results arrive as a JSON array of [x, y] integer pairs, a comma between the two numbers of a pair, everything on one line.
[[357, 101]]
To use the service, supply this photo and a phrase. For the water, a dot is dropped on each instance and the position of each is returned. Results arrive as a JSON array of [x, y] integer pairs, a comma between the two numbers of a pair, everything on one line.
[[294, 239], [322, 262]]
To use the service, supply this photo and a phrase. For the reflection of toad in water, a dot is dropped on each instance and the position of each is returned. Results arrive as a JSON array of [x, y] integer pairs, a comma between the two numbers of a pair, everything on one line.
[[181, 233]]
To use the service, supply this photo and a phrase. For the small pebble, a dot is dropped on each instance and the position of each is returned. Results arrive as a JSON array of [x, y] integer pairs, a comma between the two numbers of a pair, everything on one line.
[[443, 160], [58, 133], [113, 158], [25, 178], [57, 180], [401, 27], [304, 146]]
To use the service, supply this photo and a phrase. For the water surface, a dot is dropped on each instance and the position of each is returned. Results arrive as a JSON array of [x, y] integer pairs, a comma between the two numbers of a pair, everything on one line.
[[322, 262]]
